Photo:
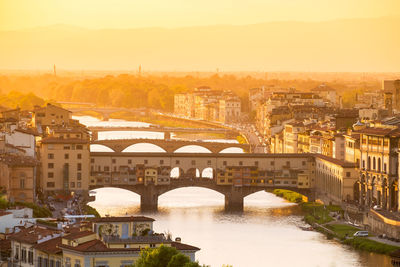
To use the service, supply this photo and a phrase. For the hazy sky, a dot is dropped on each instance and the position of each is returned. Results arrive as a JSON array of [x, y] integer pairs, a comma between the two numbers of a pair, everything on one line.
[[18, 14]]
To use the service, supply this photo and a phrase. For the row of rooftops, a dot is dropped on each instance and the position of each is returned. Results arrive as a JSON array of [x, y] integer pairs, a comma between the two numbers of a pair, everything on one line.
[[51, 240]]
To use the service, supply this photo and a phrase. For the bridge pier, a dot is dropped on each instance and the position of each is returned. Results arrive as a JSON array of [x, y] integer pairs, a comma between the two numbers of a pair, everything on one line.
[[234, 199], [149, 198]]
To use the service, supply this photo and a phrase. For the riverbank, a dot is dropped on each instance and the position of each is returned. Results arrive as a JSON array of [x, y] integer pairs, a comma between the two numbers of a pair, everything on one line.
[[328, 219]]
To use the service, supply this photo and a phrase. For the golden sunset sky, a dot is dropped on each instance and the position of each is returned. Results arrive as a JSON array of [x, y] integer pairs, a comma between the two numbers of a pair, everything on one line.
[[201, 35], [19, 14]]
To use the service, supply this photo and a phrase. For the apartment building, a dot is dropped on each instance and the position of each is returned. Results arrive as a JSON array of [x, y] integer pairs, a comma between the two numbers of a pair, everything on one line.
[[65, 165], [50, 115]]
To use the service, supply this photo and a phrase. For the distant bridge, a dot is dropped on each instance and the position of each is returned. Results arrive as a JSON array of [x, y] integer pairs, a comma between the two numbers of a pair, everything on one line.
[[170, 146], [96, 129]]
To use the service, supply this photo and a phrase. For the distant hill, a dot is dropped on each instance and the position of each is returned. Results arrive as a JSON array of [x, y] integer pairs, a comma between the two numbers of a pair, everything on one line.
[[339, 45]]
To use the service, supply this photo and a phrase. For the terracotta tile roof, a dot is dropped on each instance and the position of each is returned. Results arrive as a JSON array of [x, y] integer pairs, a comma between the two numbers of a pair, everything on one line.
[[78, 234], [16, 160], [124, 219], [32, 234], [27, 131], [51, 246], [181, 246], [3, 212], [380, 131], [342, 163]]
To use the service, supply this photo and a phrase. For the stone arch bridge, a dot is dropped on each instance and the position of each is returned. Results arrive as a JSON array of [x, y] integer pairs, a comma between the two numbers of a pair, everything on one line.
[[234, 196], [169, 146]]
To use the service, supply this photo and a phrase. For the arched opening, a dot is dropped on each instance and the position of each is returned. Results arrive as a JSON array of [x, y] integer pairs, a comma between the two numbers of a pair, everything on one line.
[[369, 163], [192, 149], [176, 173], [143, 147], [208, 173], [191, 197], [379, 164], [373, 163], [100, 148], [232, 150], [263, 199], [115, 201]]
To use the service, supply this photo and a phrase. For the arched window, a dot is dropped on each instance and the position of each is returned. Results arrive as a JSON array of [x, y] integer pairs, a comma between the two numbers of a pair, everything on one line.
[[369, 163], [379, 164], [373, 164]]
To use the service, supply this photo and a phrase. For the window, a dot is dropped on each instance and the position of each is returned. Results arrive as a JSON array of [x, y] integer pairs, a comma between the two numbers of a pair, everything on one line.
[[209, 162], [80, 147], [177, 162], [79, 166], [51, 263], [23, 255], [240, 163], [67, 147], [30, 256], [50, 175], [50, 184], [79, 156], [304, 163], [72, 184], [129, 161], [78, 184], [22, 183], [58, 263], [146, 161], [193, 162], [288, 163], [224, 163], [40, 262], [50, 156], [66, 156], [50, 165], [91, 160], [79, 175], [161, 162], [272, 163], [114, 161]]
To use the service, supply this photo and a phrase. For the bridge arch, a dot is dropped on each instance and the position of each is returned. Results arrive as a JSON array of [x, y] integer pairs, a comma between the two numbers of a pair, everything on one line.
[[100, 148], [232, 149], [144, 147]]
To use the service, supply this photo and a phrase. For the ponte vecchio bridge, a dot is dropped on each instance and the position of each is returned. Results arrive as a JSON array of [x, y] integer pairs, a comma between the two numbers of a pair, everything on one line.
[[233, 175]]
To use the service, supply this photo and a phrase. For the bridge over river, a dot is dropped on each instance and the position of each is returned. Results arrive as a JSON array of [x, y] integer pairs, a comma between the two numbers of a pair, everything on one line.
[[233, 175]]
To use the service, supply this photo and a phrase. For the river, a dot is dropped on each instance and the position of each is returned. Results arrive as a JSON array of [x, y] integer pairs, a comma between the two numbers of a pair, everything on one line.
[[267, 233]]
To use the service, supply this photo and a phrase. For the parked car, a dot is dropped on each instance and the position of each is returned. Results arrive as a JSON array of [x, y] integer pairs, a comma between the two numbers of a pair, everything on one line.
[[361, 233], [377, 207]]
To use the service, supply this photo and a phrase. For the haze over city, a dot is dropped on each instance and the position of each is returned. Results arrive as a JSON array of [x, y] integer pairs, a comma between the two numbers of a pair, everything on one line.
[[295, 35]]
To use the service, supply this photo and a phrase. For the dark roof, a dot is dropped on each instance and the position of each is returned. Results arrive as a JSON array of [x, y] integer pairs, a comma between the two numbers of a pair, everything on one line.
[[51, 246], [90, 246], [124, 219], [75, 235], [17, 160], [54, 140], [27, 131]]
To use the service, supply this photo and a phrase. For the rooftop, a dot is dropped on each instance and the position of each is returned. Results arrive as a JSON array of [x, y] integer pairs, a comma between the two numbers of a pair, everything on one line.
[[32, 235]]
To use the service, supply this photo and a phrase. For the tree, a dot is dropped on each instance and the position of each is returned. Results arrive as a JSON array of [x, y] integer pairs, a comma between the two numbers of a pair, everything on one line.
[[164, 256]]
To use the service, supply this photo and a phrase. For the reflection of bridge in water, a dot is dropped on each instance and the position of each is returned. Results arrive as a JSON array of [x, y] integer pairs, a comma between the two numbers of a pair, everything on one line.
[[233, 175]]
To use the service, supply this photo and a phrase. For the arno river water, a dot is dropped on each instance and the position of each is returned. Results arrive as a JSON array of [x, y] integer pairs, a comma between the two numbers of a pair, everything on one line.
[[267, 233]]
